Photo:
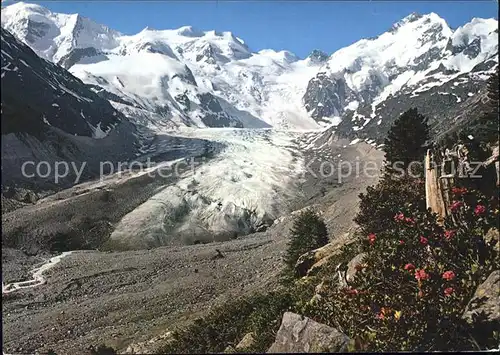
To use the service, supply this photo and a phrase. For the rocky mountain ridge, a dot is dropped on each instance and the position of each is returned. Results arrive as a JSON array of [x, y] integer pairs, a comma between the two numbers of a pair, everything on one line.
[[49, 115], [420, 62]]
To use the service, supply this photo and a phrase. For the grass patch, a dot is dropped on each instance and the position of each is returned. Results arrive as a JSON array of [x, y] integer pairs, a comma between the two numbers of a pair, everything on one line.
[[226, 325]]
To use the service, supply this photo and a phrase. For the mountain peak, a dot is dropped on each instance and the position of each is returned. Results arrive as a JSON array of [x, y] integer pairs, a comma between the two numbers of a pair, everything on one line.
[[365, 72], [318, 56], [23, 6], [189, 31], [280, 56], [414, 17], [52, 35]]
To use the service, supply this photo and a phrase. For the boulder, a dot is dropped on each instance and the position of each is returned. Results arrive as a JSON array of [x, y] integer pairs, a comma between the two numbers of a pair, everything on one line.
[[246, 343], [486, 299], [30, 197], [347, 271], [100, 350], [299, 334], [150, 346]]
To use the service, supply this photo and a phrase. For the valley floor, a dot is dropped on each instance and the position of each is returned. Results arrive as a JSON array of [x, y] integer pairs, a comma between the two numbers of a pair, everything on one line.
[[124, 297]]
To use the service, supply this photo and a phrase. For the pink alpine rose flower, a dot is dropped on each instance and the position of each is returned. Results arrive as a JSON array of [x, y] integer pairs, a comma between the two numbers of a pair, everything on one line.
[[449, 275], [448, 291], [399, 217], [480, 209], [409, 267], [449, 234], [409, 220], [456, 205], [459, 191], [420, 274]]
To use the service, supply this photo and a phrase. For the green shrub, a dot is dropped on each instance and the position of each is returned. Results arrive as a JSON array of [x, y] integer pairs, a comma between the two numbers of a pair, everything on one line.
[[308, 233]]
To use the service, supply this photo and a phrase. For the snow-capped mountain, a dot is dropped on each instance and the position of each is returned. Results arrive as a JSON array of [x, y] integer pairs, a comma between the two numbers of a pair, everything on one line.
[[187, 77], [372, 81], [56, 36]]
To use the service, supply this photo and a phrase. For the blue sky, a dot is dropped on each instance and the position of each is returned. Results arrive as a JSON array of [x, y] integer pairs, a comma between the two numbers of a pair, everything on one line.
[[298, 26]]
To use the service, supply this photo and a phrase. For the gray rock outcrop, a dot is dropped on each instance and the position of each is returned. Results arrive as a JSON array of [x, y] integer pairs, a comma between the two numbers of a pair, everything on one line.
[[299, 334], [486, 300]]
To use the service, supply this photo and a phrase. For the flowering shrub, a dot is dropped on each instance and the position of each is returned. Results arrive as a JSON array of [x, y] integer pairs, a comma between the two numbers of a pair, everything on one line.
[[383, 204], [418, 280]]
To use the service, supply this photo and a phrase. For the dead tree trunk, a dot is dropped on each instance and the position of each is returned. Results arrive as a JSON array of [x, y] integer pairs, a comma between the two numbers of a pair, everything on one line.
[[434, 192]]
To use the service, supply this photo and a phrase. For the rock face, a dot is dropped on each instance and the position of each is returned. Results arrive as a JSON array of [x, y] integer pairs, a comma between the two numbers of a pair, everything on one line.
[[353, 265], [51, 96], [312, 261], [448, 106], [318, 56], [214, 115], [77, 55], [307, 260], [57, 118], [486, 299], [493, 236], [325, 96], [299, 334]]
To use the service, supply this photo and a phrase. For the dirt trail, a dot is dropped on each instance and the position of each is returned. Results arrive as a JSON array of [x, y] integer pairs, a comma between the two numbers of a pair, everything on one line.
[[38, 278]]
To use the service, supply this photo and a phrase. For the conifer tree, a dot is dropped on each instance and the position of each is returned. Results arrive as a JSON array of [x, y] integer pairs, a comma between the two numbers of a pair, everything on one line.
[[486, 125], [491, 120], [406, 141], [492, 86], [308, 233]]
